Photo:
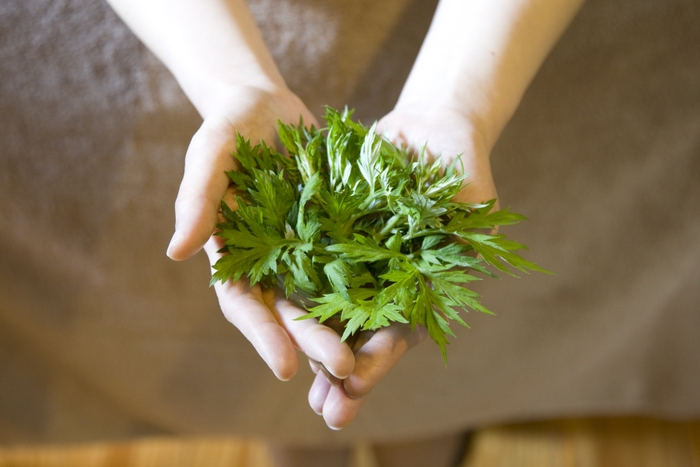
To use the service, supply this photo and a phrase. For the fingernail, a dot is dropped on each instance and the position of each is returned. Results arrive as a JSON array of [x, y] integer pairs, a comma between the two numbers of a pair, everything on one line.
[[314, 366], [330, 377], [279, 377], [174, 242], [334, 428], [332, 380]]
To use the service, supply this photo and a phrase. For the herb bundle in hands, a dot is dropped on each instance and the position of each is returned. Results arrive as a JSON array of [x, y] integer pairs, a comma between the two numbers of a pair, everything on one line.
[[355, 228]]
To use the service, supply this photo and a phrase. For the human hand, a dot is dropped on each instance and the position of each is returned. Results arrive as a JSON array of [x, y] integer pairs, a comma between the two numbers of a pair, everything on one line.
[[339, 400], [269, 321], [448, 133], [264, 317], [247, 110], [469, 77]]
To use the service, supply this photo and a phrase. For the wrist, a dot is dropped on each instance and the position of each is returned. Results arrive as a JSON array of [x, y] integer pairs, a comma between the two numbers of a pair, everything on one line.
[[209, 94], [252, 110], [448, 113]]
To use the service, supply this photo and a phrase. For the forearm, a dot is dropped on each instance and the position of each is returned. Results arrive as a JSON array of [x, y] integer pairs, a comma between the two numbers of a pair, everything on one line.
[[206, 44], [480, 56]]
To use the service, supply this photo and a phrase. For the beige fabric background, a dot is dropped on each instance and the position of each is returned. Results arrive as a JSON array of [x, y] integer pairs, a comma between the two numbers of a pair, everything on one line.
[[101, 336]]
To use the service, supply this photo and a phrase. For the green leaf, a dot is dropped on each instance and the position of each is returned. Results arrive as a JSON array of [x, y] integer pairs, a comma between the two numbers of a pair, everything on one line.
[[430, 241], [330, 305], [369, 162], [394, 243], [273, 195], [496, 250], [383, 316], [360, 316], [311, 188], [304, 273], [363, 249], [338, 273]]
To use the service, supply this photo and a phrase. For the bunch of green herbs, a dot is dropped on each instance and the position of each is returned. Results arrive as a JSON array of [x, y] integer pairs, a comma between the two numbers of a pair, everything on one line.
[[355, 228]]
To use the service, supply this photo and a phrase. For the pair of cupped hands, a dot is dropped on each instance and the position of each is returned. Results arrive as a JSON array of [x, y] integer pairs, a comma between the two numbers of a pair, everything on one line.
[[344, 375]]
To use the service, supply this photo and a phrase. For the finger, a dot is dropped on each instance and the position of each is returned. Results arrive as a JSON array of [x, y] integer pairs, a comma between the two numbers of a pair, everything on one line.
[[354, 342], [339, 409], [315, 366], [203, 185], [374, 359], [245, 307], [379, 354], [318, 393], [317, 341], [320, 367]]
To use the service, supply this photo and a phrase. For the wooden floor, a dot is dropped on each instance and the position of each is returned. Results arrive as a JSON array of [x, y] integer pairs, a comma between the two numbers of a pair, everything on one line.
[[618, 442]]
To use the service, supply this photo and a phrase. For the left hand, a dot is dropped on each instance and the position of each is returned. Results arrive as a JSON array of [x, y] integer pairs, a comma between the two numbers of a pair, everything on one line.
[[448, 134]]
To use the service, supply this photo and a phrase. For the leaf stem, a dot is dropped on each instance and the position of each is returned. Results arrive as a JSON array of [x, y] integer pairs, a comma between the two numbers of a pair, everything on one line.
[[395, 219]]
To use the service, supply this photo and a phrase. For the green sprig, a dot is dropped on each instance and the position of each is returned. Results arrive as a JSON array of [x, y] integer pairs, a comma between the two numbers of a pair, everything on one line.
[[358, 229]]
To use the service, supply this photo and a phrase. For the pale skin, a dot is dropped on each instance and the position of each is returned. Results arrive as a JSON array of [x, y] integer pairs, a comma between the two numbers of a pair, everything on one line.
[[474, 66]]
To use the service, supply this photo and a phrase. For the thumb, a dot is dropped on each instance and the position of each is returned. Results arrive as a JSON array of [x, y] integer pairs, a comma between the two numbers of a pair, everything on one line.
[[203, 185]]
